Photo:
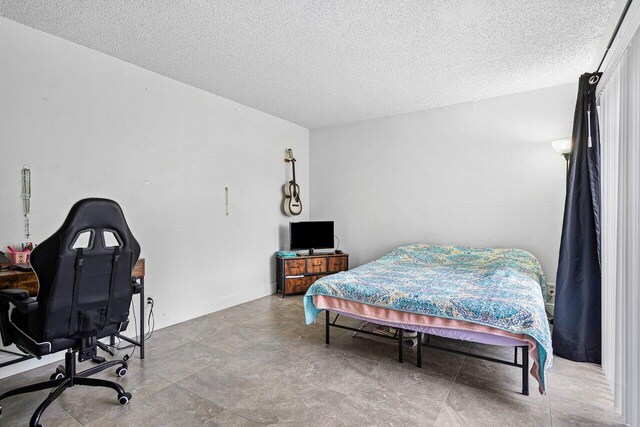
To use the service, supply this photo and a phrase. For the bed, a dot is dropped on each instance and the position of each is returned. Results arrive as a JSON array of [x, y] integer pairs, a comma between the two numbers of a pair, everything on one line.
[[486, 295]]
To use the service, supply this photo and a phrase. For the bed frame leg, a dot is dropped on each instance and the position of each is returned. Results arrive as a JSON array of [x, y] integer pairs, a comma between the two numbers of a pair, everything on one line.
[[525, 371], [515, 354], [327, 326], [419, 350], [400, 345]]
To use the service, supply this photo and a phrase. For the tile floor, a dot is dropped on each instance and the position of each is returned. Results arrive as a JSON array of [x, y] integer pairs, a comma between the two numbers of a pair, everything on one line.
[[258, 363]]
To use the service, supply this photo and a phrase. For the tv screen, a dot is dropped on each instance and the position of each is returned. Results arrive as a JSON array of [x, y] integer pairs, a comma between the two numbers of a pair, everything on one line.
[[311, 235]]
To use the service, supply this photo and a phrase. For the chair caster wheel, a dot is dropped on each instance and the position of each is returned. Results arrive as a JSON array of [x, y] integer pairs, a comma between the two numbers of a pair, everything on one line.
[[57, 376], [121, 371], [124, 398]]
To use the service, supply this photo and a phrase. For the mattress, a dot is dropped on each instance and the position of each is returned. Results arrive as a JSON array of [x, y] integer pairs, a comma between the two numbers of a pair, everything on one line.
[[454, 290]]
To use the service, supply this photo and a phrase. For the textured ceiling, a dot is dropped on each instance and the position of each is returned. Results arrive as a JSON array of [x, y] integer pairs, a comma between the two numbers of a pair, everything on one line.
[[320, 63]]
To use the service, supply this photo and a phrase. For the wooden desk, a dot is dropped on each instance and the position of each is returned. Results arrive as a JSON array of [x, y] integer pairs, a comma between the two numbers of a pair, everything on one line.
[[27, 280], [19, 280]]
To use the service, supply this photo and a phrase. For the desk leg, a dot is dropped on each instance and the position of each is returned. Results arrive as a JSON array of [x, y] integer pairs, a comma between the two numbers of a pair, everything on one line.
[[20, 359], [142, 317]]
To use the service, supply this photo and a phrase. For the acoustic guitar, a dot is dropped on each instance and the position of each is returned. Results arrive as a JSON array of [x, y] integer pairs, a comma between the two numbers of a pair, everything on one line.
[[291, 204]]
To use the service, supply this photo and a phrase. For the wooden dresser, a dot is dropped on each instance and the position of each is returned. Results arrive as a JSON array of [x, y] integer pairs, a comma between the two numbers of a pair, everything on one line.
[[295, 275]]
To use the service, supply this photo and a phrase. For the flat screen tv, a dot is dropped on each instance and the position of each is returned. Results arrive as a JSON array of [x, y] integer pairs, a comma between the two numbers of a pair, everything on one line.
[[310, 235]]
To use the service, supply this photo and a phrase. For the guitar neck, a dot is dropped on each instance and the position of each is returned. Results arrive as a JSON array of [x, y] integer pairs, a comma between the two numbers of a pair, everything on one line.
[[293, 167]]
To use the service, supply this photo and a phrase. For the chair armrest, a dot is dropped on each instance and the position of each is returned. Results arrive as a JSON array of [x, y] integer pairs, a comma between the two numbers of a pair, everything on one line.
[[26, 306], [19, 298]]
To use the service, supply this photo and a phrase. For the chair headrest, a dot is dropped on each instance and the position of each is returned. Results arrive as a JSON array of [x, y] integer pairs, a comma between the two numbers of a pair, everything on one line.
[[96, 216]]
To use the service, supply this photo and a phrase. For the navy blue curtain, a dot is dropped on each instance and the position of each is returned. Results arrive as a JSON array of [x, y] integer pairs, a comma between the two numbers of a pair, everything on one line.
[[577, 321]]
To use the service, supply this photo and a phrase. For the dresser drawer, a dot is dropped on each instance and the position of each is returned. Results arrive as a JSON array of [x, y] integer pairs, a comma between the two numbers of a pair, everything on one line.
[[338, 264], [316, 265], [296, 285], [294, 267], [295, 275], [311, 279]]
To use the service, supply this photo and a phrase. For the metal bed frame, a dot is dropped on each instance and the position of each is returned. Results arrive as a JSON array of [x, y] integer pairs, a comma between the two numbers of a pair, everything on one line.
[[399, 337]]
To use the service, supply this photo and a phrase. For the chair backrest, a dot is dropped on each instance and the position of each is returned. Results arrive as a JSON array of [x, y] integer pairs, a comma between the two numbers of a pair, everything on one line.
[[84, 270]]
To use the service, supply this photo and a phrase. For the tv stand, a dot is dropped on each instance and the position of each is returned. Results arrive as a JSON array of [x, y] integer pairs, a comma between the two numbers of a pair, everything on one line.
[[294, 275]]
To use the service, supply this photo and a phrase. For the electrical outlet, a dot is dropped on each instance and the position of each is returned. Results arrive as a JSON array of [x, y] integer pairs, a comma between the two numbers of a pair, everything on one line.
[[551, 289], [551, 302], [550, 307]]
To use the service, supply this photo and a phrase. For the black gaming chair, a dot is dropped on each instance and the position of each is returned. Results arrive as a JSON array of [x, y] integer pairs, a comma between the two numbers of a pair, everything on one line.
[[84, 271]]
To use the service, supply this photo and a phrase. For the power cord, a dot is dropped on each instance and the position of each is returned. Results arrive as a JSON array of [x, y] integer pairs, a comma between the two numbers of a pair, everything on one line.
[[151, 320], [119, 345]]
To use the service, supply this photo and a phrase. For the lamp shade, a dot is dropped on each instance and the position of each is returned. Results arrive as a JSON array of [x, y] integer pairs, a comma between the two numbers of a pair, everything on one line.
[[562, 146]]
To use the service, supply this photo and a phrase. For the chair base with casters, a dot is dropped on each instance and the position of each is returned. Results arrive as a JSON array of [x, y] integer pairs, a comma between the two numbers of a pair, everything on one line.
[[66, 377]]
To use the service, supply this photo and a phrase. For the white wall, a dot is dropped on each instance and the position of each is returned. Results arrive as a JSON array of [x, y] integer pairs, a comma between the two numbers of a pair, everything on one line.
[[92, 125], [478, 174]]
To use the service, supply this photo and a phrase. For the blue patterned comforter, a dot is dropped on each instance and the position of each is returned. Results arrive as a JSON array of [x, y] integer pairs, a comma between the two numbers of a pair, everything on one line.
[[501, 288]]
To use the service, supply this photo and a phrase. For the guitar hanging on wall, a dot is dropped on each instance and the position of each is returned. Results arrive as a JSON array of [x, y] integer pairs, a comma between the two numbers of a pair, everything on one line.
[[291, 204]]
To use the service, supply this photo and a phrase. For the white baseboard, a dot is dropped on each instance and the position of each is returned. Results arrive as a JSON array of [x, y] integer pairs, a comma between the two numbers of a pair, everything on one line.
[[27, 365], [213, 306], [161, 322]]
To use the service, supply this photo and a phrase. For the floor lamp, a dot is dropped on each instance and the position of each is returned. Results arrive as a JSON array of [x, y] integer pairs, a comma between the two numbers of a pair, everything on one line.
[[563, 146]]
